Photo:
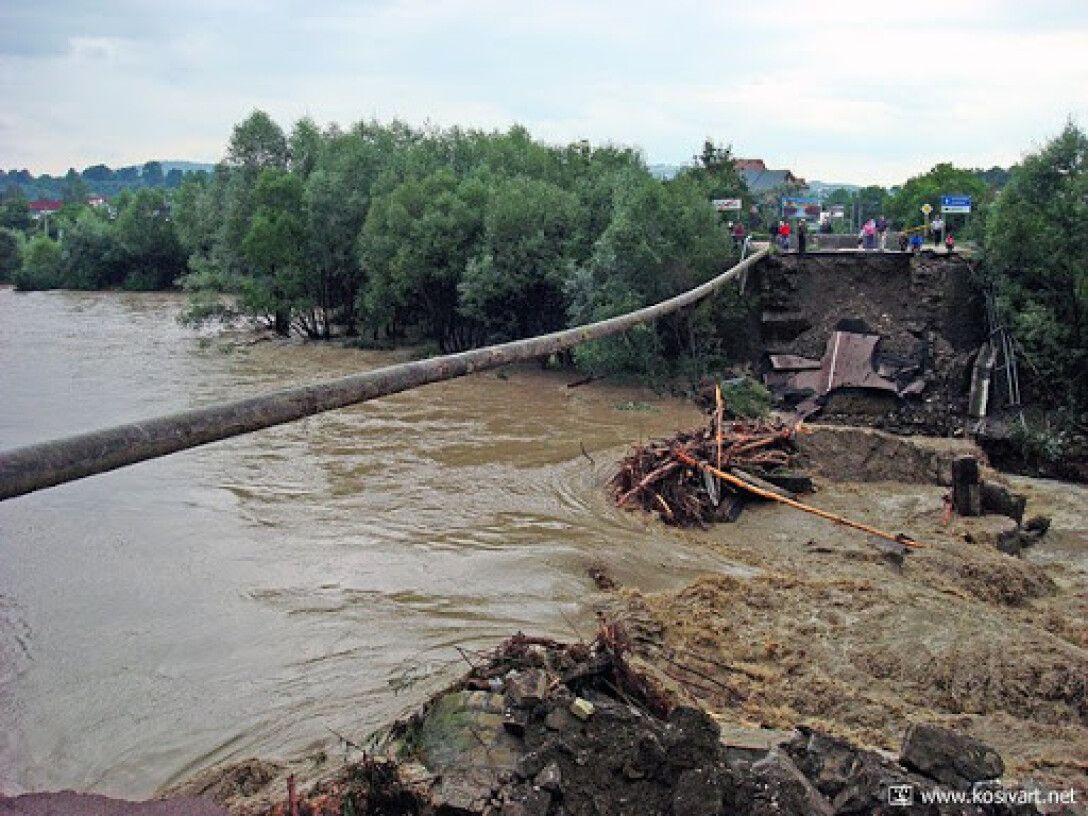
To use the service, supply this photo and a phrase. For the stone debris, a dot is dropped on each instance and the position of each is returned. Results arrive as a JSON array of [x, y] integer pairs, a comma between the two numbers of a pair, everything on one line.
[[974, 496], [582, 709], [638, 751], [954, 759]]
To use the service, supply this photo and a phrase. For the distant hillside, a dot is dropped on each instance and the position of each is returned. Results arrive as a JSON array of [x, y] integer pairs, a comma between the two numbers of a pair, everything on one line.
[[187, 166], [100, 179], [665, 171], [819, 188]]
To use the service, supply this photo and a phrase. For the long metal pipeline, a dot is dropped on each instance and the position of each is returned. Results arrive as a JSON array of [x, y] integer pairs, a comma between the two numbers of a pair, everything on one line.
[[35, 467]]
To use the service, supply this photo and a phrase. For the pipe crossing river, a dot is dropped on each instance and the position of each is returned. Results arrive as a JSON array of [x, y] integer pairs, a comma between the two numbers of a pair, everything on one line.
[[24, 470]]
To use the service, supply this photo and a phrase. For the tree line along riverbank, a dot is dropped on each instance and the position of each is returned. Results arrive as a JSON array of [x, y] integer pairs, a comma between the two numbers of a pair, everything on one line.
[[459, 238]]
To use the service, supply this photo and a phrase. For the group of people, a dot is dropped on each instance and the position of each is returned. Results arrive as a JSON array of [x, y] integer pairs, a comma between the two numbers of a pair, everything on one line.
[[874, 231], [785, 231], [873, 235]]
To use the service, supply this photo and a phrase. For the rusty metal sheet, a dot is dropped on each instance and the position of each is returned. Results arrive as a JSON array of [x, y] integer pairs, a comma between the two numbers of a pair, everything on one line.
[[849, 363]]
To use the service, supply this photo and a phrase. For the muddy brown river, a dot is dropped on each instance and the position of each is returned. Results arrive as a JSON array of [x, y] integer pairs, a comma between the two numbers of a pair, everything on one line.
[[245, 598]]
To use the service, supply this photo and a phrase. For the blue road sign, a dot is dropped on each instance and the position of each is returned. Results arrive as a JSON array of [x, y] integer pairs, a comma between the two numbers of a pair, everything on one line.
[[955, 204]]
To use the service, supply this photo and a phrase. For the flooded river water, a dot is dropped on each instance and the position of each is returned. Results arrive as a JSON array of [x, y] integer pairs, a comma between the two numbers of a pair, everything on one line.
[[244, 598]]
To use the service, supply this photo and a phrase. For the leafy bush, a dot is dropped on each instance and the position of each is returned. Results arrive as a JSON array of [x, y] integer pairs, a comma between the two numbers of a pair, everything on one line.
[[1041, 445], [42, 265], [745, 398], [11, 253], [1037, 261]]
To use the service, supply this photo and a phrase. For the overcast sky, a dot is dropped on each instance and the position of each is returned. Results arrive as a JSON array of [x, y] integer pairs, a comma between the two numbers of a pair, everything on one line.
[[837, 91]]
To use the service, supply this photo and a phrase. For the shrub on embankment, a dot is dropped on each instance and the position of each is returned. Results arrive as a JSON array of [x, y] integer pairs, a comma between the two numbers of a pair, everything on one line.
[[1036, 258], [89, 249]]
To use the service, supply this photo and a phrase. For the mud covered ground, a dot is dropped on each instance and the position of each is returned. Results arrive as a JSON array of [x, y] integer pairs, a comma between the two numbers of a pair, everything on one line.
[[830, 633]]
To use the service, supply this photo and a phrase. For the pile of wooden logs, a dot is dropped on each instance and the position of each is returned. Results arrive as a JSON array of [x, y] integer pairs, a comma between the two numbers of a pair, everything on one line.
[[663, 475]]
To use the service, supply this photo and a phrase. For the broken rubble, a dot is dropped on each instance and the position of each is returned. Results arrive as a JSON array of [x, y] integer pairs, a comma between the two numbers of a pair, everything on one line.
[[641, 753], [955, 759]]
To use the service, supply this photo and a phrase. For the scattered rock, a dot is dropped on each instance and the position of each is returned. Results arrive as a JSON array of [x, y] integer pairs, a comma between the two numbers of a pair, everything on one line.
[[1038, 525], [603, 581], [751, 743], [527, 688], [690, 737], [949, 757], [527, 801], [775, 786], [699, 792], [635, 753], [550, 778], [558, 719], [582, 709]]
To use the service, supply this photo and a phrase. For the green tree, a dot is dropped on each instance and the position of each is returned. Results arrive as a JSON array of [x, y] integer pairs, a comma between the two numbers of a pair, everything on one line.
[[152, 256], [513, 286], [338, 194], [92, 256], [15, 209], [275, 246], [662, 239], [943, 179], [42, 265], [715, 168], [415, 246], [151, 174], [11, 253], [74, 189], [304, 147], [257, 143], [97, 173], [1037, 261]]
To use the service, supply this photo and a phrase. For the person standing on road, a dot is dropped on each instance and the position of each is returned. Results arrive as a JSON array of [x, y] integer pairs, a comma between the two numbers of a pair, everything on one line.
[[738, 234], [882, 231], [937, 225], [950, 243], [868, 235], [802, 234], [784, 235]]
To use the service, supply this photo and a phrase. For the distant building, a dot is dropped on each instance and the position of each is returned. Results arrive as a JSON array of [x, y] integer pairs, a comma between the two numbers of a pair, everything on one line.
[[760, 179], [45, 206], [95, 201]]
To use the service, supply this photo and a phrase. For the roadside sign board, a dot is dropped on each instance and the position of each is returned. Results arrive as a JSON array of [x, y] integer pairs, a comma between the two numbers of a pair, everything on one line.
[[801, 207], [724, 204], [927, 208], [955, 204]]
